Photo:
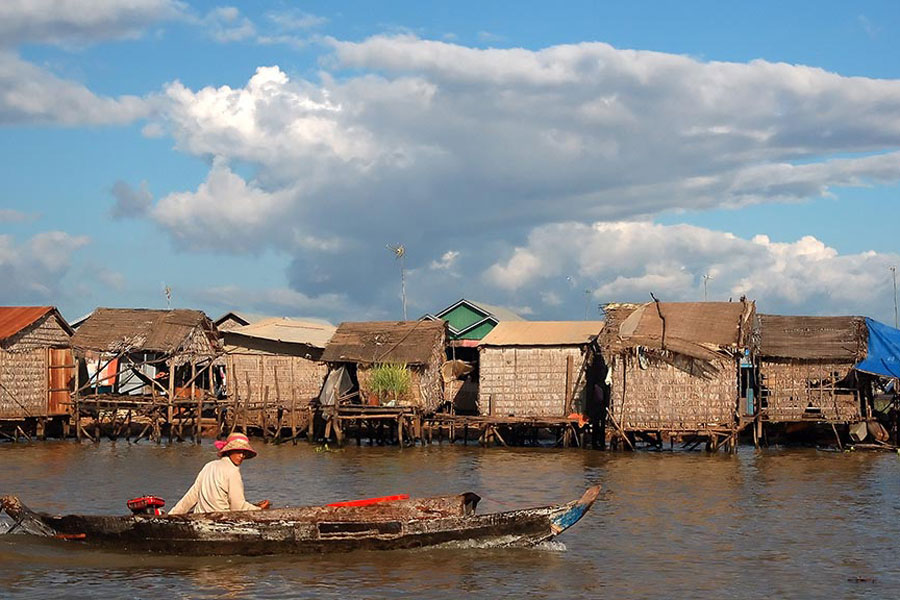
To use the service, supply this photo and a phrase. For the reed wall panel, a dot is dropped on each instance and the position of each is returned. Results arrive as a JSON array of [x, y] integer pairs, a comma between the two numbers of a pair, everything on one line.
[[803, 390], [527, 381], [288, 378], [23, 384], [662, 396], [46, 333]]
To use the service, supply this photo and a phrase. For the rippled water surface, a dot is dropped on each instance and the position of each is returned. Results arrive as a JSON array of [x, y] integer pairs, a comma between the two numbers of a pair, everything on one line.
[[761, 524]]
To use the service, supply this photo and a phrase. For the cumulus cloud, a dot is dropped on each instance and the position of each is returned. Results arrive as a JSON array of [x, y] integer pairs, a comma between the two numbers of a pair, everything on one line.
[[32, 271], [130, 202], [29, 95], [480, 146], [80, 21], [625, 261], [233, 214]]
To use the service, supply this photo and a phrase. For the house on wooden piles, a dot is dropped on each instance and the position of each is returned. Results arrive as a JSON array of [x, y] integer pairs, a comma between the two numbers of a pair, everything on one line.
[[36, 365], [538, 369], [468, 322], [163, 355], [806, 368], [674, 369], [274, 366], [420, 345]]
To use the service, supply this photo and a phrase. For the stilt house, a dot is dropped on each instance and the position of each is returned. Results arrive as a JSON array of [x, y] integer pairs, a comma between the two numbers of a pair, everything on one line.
[[276, 363], [537, 368], [806, 368], [420, 345], [674, 366], [134, 352], [36, 364]]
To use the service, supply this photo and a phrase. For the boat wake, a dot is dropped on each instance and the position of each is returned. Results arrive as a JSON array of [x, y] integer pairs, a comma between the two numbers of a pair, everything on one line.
[[509, 541]]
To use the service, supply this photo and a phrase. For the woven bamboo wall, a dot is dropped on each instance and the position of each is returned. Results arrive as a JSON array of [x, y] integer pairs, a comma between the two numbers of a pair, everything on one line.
[[43, 334], [665, 397], [802, 390], [522, 381], [23, 384], [288, 378]]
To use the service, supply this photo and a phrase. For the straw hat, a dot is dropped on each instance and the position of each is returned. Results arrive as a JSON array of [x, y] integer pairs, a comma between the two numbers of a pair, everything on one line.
[[236, 441]]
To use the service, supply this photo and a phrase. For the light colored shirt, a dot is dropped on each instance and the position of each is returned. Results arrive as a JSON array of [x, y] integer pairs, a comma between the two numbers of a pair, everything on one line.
[[218, 487]]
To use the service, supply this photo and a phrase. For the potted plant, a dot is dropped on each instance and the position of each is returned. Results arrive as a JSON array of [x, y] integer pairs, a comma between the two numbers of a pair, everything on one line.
[[390, 382]]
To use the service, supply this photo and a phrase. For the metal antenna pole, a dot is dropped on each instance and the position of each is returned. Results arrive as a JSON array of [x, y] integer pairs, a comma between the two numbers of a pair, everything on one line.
[[587, 303], [706, 279], [894, 276], [403, 282]]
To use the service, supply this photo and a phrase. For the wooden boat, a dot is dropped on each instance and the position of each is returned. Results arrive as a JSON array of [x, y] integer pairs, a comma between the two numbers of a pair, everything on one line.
[[411, 523]]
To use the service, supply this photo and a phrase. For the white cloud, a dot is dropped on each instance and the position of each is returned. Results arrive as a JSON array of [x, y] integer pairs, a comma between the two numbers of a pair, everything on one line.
[[80, 21], [226, 24], [295, 20], [625, 261], [477, 146], [446, 262], [30, 95], [32, 271], [280, 302], [225, 212]]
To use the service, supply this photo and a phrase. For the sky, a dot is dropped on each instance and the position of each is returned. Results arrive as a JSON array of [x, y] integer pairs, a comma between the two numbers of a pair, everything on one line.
[[548, 157]]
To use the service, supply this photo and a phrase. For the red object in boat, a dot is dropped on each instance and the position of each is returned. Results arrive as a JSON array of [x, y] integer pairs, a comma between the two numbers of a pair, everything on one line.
[[146, 505], [370, 501]]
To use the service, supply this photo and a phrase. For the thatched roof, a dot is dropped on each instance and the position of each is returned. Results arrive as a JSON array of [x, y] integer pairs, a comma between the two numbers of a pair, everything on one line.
[[140, 329], [409, 342], [827, 338], [14, 319], [697, 329], [542, 333]]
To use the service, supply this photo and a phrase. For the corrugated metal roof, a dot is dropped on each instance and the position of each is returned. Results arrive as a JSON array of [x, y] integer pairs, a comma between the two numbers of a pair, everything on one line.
[[14, 319], [841, 338], [542, 333], [409, 342], [501, 312], [117, 329], [283, 329]]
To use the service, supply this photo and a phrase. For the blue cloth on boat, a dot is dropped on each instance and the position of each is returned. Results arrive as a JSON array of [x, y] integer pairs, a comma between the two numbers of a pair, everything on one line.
[[883, 353]]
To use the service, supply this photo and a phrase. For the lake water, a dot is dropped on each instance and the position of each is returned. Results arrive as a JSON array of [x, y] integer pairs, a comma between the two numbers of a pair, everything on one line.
[[759, 524]]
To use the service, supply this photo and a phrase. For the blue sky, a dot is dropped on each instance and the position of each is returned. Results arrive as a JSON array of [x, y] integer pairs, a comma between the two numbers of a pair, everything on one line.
[[260, 156]]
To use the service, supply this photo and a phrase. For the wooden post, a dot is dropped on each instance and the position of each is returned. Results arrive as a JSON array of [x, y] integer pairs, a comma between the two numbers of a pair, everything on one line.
[[246, 422], [293, 405], [570, 367], [279, 406], [199, 402], [170, 412]]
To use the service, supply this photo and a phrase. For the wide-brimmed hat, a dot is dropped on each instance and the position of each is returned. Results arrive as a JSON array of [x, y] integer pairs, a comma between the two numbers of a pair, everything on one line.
[[236, 441]]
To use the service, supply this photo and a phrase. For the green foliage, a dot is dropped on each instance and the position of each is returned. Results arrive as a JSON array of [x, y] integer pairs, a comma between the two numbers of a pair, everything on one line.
[[390, 382]]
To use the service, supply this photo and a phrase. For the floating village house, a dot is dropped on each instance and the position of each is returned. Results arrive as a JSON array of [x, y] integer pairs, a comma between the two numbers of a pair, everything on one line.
[[468, 322], [420, 345], [36, 364], [274, 365], [133, 352], [806, 368], [674, 368], [537, 368]]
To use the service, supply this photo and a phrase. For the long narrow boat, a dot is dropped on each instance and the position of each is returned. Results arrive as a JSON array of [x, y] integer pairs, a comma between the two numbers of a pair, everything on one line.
[[410, 523]]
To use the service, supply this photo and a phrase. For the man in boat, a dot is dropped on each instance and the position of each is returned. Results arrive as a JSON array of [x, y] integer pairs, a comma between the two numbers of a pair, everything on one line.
[[219, 486]]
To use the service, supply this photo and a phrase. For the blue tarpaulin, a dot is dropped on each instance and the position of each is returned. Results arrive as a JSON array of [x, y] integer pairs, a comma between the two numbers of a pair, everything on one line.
[[883, 356]]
